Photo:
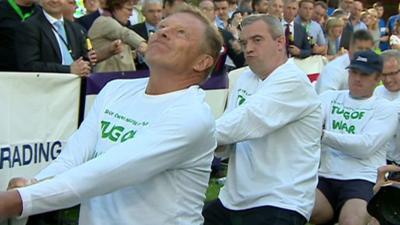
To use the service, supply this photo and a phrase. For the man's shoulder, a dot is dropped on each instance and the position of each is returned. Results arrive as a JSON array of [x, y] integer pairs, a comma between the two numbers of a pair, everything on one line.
[[339, 62], [243, 74], [120, 87], [139, 25], [290, 69], [394, 17], [37, 19], [333, 94], [123, 84], [316, 25], [76, 26]]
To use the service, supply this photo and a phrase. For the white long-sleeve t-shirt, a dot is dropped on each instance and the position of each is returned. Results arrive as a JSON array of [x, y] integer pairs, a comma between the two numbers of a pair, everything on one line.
[[276, 124], [393, 146], [334, 76], [356, 131], [137, 159]]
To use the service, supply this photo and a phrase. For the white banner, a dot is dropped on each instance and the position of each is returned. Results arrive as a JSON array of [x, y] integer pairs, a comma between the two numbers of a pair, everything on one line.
[[38, 112]]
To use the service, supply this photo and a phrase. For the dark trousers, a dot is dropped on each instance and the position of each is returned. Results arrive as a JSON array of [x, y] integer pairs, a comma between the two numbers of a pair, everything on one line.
[[215, 213]]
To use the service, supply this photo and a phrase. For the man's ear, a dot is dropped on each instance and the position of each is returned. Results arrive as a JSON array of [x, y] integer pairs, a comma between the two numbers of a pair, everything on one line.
[[203, 63], [281, 42]]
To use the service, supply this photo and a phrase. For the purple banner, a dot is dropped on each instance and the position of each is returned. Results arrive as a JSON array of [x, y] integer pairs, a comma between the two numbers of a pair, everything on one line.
[[96, 81]]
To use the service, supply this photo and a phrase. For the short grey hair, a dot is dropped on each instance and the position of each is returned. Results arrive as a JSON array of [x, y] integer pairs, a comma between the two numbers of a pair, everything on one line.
[[391, 54], [274, 25], [145, 2]]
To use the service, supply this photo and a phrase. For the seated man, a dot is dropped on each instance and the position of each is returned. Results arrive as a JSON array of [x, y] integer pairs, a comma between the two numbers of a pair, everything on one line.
[[143, 154], [357, 125], [334, 76], [274, 121], [391, 91]]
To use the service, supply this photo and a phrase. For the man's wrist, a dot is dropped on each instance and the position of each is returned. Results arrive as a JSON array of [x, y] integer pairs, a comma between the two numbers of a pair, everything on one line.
[[10, 204]]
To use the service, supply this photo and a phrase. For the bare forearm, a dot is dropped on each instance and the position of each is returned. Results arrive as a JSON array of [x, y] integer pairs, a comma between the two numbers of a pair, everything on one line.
[[10, 204]]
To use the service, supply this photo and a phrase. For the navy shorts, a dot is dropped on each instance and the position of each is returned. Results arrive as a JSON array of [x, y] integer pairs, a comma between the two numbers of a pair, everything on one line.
[[339, 191]]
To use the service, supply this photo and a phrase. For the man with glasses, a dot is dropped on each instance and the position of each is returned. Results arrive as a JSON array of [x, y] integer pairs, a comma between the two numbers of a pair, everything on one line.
[[357, 125], [391, 92]]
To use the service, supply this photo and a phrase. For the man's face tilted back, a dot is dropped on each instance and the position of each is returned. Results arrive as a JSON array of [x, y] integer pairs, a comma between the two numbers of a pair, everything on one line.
[[177, 42]]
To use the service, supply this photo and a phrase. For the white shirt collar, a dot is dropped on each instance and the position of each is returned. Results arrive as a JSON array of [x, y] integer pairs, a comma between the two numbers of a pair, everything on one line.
[[284, 23], [51, 19]]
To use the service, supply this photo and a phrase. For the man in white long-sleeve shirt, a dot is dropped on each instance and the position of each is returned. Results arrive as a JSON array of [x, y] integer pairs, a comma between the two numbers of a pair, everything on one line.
[[357, 125], [143, 154], [274, 119], [334, 76], [391, 92]]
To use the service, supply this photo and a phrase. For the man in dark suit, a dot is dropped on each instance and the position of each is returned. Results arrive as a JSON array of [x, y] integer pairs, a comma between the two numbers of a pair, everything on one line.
[[297, 38], [230, 47], [12, 13], [48, 43], [152, 12]]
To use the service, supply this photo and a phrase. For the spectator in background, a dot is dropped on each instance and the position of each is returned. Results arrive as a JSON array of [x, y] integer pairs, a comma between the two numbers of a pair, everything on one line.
[[357, 125], [233, 7], [270, 180], [230, 48], [113, 29], [92, 6], [152, 11], [314, 29], [347, 30], [260, 6], [170, 6], [355, 16], [221, 8], [384, 37], [87, 20], [169, 127], [332, 6], [373, 27], [334, 30], [320, 13], [245, 7], [234, 23], [275, 8], [10, 19], [346, 5], [47, 42], [391, 91], [392, 21], [395, 37], [341, 14], [297, 44], [335, 76]]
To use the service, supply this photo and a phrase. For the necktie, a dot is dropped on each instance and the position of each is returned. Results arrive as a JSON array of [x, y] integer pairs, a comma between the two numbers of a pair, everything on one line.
[[287, 36], [66, 55]]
